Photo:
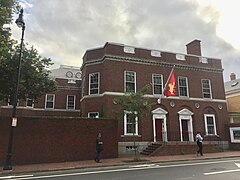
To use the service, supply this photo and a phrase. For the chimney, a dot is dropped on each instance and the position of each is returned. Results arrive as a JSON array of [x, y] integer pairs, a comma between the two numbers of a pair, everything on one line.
[[194, 47], [232, 76]]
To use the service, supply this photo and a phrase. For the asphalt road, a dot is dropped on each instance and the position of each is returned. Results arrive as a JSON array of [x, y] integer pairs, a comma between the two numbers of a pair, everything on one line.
[[221, 169]]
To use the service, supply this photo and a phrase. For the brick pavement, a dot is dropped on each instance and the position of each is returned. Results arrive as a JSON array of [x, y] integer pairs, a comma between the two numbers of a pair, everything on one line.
[[115, 162]]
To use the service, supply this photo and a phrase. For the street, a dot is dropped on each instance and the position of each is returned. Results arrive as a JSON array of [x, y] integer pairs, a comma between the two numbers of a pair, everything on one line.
[[221, 169]]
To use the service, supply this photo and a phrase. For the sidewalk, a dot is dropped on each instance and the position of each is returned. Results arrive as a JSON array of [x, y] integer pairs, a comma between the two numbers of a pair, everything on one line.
[[115, 162]]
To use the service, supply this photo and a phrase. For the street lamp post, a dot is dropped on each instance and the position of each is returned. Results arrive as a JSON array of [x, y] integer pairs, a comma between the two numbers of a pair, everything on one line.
[[8, 165]]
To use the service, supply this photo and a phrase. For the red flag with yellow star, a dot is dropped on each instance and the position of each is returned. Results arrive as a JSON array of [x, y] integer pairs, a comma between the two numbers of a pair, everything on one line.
[[172, 86]]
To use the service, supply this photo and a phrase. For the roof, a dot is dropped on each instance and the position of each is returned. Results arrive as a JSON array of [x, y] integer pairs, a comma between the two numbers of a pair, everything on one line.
[[232, 87], [66, 72]]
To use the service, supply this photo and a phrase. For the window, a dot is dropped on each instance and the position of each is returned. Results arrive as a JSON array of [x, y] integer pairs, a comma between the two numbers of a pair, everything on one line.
[[180, 57], [157, 83], [210, 125], [49, 101], [206, 88], [71, 81], [203, 60], [29, 102], [71, 102], [130, 124], [155, 53], [183, 86], [130, 81], [10, 102], [94, 80], [128, 49], [93, 114]]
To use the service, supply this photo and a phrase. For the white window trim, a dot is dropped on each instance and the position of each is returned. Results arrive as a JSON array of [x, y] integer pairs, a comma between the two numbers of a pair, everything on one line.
[[232, 129], [154, 84], [46, 101], [210, 87], [89, 82], [214, 123], [135, 81], [186, 85], [93, 112], [12, 102], [125, 125], [74, 102], [32, 103]]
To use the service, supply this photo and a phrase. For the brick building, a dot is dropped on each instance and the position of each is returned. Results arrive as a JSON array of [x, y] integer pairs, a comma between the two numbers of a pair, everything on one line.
[[200, 103], [65, 101], [232, 91]]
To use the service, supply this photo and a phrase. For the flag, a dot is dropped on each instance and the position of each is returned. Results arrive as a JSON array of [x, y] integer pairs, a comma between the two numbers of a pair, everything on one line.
[[171, 86]]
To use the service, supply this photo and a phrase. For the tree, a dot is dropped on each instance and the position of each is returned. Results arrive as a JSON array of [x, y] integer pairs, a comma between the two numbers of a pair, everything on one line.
[[34, 77], [136, 105], [7, 8]]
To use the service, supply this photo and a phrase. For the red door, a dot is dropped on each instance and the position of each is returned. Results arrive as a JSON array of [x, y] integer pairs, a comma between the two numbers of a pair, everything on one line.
[[158, 123], [185, 133]]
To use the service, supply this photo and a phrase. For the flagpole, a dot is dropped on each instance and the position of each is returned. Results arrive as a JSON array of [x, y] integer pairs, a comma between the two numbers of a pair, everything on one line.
[[159, 100]]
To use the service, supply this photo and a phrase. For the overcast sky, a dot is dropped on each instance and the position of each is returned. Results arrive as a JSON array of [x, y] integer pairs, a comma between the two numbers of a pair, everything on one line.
[[64, 29]]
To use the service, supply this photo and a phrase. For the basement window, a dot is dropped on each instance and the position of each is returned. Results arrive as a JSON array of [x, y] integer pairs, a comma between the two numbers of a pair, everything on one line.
[[131, 148]]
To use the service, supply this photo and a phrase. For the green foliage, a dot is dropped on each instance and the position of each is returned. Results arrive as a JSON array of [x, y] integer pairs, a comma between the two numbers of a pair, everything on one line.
[[7, 7], [135, 103], [34, 79]]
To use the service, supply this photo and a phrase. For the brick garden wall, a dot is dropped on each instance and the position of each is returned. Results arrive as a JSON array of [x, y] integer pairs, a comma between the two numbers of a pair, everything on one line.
[[57, 139]]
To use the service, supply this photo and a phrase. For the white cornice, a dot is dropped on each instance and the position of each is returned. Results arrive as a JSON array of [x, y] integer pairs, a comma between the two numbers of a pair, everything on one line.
[[153, 96]]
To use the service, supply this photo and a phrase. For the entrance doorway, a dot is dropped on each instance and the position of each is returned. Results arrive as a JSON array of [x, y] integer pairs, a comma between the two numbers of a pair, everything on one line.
[[186, 127], [185, 131], [159, 129], [159, 125]]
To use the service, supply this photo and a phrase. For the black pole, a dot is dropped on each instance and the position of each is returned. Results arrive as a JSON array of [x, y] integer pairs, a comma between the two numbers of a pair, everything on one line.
[[8, 163]]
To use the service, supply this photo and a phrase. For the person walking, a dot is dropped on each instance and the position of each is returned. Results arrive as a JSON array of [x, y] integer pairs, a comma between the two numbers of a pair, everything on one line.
[[199, 140], [99, 147]]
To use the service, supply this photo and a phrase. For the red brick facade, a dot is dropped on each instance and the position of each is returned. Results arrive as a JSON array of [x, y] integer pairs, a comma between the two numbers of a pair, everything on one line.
[[67, 85], [180, 114]]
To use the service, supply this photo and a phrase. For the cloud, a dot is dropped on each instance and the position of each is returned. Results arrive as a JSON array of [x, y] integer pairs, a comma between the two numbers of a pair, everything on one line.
[[64, 30]]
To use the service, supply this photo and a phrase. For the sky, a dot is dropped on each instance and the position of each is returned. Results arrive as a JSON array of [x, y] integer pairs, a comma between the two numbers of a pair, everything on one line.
[[64, 29]]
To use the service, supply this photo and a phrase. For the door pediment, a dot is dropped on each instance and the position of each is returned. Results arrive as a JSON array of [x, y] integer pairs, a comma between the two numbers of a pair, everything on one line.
[[185, 112], [159, 111]]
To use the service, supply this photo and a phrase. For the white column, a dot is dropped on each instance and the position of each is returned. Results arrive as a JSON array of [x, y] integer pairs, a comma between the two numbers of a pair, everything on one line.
[[165, 139], [180, 125], [154, 129], [191, 130]]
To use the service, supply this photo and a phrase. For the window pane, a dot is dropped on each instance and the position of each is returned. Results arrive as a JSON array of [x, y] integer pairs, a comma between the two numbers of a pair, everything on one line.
[[94, 83], [129, 81], [71, 102], [157, 84], [50, 101], [131, 124], [206, 88], [183, 89], [210, 125]]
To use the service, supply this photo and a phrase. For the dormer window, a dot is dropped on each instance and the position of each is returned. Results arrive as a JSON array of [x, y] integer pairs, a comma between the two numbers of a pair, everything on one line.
[[155, 53], [203, 60], [128, 49], [180, 57]]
